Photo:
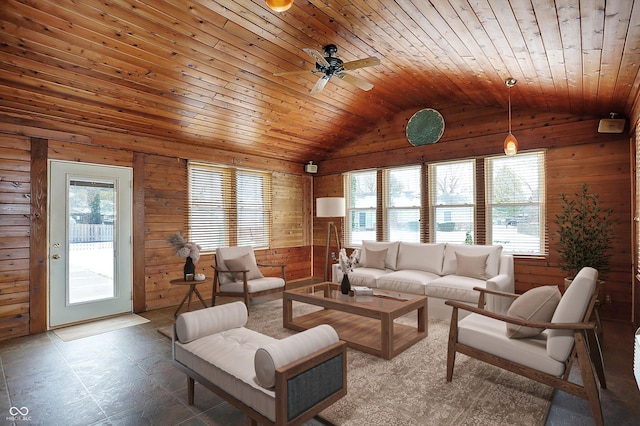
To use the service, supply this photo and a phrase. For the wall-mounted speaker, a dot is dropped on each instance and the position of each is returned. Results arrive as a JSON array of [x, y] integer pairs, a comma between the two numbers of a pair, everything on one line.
[[311, 168], [611, 125]]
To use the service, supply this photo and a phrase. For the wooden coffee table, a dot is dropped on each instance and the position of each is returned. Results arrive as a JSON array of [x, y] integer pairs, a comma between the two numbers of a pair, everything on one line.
[[366, 323]]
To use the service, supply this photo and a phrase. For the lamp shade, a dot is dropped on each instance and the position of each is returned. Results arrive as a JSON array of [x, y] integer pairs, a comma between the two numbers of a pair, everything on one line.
[[510, 145], [330, 207], [279, 5]]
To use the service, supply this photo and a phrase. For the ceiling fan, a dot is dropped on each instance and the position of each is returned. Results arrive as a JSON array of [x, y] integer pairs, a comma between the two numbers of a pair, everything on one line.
[[329, 66]]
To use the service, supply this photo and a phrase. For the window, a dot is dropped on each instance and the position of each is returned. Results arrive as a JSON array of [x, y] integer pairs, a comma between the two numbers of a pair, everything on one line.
[[452, 201], [515, 202], [229, 207], [361, 198], [402, 203]]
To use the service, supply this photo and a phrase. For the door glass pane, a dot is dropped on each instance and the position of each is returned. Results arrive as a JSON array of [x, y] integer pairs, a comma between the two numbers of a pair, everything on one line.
[[92, 216]]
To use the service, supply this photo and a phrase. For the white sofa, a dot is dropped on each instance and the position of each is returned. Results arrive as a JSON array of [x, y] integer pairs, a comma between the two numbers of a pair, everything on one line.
[[441, 271], [275, 382]]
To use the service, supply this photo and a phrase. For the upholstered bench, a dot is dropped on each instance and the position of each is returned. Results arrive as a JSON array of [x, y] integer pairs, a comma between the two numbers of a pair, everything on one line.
[[273, 381]]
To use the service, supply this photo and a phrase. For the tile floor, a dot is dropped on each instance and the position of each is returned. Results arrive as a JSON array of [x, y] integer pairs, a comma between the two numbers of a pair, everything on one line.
[[125, 377]]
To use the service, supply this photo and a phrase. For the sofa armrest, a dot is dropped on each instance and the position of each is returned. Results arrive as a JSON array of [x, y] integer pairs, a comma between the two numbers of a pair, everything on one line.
[[502, 283], [310, 384], [204, 322]]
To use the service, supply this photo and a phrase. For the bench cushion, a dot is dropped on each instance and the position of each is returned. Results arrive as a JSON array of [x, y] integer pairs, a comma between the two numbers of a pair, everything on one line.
[[194, 325], [278, 354]]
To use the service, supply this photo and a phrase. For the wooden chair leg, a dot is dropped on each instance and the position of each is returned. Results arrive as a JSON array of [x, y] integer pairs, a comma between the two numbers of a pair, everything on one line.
[[588, 379], [595, 353], [190, 390], [453, 339]]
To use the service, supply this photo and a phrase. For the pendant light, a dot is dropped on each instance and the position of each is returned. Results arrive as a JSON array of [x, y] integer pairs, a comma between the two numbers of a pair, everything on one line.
[[279, 5], [510, 142]]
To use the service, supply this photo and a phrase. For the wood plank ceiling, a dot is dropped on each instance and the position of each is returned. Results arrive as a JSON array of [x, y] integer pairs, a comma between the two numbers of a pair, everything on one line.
[[201, 71]]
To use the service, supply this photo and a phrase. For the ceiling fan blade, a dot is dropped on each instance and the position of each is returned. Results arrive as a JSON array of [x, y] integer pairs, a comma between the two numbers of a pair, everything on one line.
[[291, 73], [317, 56], [361, 63], [322, 81], [358, 82]]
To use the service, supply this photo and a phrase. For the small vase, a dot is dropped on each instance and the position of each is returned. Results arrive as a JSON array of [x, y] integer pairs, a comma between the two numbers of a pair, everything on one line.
[[345, 285], [189, 269]]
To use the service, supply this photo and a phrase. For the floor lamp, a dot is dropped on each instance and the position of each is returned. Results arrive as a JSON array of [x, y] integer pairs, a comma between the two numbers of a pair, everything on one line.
[[330, 207]]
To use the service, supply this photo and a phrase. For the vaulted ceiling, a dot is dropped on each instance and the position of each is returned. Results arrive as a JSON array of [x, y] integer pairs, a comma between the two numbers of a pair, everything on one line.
[[202, 71]]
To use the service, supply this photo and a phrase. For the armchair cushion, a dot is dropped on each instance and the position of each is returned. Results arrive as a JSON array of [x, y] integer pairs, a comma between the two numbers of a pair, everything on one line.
[[472, 266], [243, 263], [375, 258], [282, 352], [537, 305]]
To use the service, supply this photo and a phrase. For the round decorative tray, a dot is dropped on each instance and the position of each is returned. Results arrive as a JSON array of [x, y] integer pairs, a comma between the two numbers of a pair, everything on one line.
[[425, 127]]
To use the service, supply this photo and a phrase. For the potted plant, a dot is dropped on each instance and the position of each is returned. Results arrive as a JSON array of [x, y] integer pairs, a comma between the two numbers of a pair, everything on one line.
[[585, 232]]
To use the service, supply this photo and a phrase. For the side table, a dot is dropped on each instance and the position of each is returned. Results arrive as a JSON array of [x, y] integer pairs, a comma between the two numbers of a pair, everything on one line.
[[192, 289]]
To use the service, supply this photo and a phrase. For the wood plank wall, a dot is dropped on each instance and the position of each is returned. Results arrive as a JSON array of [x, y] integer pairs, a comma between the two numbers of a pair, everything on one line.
[[164, 199], [576, 153]]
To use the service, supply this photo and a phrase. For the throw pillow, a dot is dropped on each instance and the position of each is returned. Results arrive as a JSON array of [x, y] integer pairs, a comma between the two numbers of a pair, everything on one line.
[[472, 266], [244, 263], [537, 304], [375, 258]]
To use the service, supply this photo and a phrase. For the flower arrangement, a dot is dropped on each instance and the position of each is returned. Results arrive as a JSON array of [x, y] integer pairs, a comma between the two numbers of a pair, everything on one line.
[[347, 263], [184, 248]]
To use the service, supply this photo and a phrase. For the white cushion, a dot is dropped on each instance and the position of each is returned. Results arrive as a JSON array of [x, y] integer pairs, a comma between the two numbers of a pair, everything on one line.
[[366, 277], [392, 252], [278, 354], [572, 308], [538, 305], [450, 266], [420, 257], [472, 266], [226, 359], [455, 288], [487, 334], [253, 286], [406, 281], [196, 324], [244, 263]]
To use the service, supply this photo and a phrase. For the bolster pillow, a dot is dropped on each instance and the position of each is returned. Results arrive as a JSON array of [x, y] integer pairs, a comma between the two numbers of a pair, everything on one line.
[[204, 322], [275, 355]]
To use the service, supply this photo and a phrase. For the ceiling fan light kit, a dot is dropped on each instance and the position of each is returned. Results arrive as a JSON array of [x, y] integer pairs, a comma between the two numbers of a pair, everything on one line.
[[510, 142], [329, 65], [279, 5]]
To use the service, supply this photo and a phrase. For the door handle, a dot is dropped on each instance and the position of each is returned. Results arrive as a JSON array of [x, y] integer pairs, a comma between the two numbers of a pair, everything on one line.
[[56, 256]]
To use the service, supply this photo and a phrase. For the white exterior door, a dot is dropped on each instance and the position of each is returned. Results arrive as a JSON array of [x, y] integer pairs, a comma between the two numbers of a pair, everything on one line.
[[90, 259]]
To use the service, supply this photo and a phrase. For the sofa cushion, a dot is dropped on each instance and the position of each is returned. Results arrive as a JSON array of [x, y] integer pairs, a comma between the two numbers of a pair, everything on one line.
[[366, 277], [392, 252], [406, 281], [538, 305], [278, 354], [450, 267], [196, 324], [472, 266], [375, 258], [253, 286], [244, 263], [455, 288], [421, 257]]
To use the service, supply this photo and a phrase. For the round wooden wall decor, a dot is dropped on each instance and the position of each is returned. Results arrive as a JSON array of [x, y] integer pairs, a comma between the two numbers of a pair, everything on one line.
[[425, 127]]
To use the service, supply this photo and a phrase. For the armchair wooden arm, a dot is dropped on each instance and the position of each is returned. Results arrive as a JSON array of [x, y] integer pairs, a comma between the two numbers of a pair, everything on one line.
[[484, 291]]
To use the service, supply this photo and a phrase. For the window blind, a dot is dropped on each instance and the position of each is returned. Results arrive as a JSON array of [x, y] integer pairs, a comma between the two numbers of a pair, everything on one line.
[[361, 195], [516, 202], [402, 203], [229, 206]]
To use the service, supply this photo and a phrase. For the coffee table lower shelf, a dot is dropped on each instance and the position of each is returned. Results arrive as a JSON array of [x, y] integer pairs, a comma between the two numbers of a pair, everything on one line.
[[362, 333]]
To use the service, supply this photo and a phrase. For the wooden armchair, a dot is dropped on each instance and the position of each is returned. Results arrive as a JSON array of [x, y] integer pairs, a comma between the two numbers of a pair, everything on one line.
[[547, 357], [237, 274]]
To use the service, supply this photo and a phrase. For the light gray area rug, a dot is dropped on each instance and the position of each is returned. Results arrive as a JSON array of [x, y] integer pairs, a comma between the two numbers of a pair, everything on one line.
[[411, 389]]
